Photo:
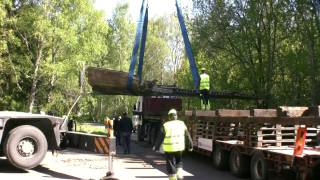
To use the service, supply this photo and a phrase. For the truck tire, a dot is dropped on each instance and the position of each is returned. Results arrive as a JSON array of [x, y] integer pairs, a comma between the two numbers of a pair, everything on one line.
[[220, 157], [306, 175], [239, 163], [258, 167], [316, 171], [25, 147]]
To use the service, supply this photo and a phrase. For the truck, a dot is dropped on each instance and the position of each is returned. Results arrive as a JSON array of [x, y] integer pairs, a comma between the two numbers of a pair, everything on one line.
[[253, 143], [25, 137], [151, 112]]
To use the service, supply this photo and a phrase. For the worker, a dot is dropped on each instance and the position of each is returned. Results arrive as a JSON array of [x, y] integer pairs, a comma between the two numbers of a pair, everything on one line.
[[116, 129], [204, 89], [172, 137], [125, 129]]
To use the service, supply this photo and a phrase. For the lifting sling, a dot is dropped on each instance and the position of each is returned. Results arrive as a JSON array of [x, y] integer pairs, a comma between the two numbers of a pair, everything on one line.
[[317, 6], [141, 28], [141, 36]]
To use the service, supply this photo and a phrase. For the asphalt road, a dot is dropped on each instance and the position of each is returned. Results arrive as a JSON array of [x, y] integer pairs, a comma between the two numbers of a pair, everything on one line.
[[142, 164], [196, 167]]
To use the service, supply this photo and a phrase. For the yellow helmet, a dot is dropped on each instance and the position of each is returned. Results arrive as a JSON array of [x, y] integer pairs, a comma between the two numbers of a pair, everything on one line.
[[203, 69], [172, 112]]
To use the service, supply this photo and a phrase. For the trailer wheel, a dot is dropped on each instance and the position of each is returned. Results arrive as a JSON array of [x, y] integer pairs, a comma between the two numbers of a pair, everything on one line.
[[25, 146], [302, 175], [316, 171], [239, 163], [220, 157], [258, 167]]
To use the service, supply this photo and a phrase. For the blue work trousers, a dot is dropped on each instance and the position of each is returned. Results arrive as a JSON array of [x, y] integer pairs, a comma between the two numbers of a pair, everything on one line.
[[126, 139]]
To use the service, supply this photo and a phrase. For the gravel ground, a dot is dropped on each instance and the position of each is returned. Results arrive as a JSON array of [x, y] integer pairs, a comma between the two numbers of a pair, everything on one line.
[[67, 164]]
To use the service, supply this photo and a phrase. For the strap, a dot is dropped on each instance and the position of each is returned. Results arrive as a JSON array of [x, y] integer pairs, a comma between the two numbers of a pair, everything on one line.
[[143, 44], [317, 5], [192, 63], [136, 43]]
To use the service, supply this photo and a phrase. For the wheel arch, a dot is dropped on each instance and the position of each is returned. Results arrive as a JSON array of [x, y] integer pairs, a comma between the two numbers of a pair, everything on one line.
[[44, 125], [236, 147]]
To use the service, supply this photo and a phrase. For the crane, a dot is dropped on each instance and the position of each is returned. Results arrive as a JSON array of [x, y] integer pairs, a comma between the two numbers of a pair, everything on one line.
[[121, 83]]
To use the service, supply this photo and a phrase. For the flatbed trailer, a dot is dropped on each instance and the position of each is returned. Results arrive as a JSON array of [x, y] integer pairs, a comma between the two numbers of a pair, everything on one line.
[[258, 141]]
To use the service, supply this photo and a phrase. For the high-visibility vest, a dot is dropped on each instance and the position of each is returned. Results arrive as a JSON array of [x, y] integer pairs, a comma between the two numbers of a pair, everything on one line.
[[204, 81], [174, 136]]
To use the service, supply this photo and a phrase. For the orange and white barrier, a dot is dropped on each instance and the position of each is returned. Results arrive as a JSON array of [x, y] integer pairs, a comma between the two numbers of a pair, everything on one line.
[[300, 141]]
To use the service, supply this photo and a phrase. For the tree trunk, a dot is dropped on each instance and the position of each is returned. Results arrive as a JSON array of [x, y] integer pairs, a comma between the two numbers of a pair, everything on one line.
[[35, 79], [313, 73]]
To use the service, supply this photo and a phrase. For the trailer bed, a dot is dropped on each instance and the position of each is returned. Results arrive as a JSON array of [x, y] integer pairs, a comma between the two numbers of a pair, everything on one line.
[[268, 135]]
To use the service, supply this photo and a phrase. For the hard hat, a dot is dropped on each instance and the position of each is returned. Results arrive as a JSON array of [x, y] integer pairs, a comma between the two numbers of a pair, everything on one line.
[[203, 69], [172, 112]]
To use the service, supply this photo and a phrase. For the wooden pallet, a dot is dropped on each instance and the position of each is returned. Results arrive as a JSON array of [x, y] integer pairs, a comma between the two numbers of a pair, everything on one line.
[[205, 129], [226, 131], [256, 127], [279, 135]]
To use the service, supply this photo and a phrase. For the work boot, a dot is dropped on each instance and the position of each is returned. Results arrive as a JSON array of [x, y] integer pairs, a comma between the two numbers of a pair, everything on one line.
[[203, 106], [179, 173], [172, 176]]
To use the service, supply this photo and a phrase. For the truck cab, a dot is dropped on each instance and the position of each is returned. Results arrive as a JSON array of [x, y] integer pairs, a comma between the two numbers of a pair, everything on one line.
[[25, 137], [152, 111]]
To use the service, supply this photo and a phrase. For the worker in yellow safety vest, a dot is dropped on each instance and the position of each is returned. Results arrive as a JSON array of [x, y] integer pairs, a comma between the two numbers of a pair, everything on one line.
[[172, 137], [204, 88]]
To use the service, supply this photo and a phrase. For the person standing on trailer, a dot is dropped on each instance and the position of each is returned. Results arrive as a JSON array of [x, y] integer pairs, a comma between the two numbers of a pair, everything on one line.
[[172, 137], [204, 89], [125, 128]]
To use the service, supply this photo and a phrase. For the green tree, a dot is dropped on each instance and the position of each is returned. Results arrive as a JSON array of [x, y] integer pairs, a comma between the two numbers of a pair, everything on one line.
[[45, 43], [268, 47]]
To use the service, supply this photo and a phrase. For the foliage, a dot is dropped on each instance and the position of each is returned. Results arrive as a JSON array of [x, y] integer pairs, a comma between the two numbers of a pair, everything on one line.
[[267, 47], [45, 41], [44, 45], [91, 128], [270, 48]]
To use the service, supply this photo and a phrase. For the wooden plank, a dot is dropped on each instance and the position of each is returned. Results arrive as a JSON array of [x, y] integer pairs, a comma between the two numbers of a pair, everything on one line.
[[275, 141], [289, 111], [188, 113], [205, 114], [263, 112], [232, 113]]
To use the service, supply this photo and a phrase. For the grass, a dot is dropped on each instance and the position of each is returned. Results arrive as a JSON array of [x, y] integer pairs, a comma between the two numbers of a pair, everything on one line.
[[91, 128]]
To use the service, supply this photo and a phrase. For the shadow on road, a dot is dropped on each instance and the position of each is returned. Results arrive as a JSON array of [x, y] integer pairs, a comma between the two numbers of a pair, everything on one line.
[[196, 166], [54, 174], [6, 167]]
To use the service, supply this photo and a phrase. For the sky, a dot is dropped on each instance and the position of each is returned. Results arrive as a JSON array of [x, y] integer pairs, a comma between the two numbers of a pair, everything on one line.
[[156, 7]]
